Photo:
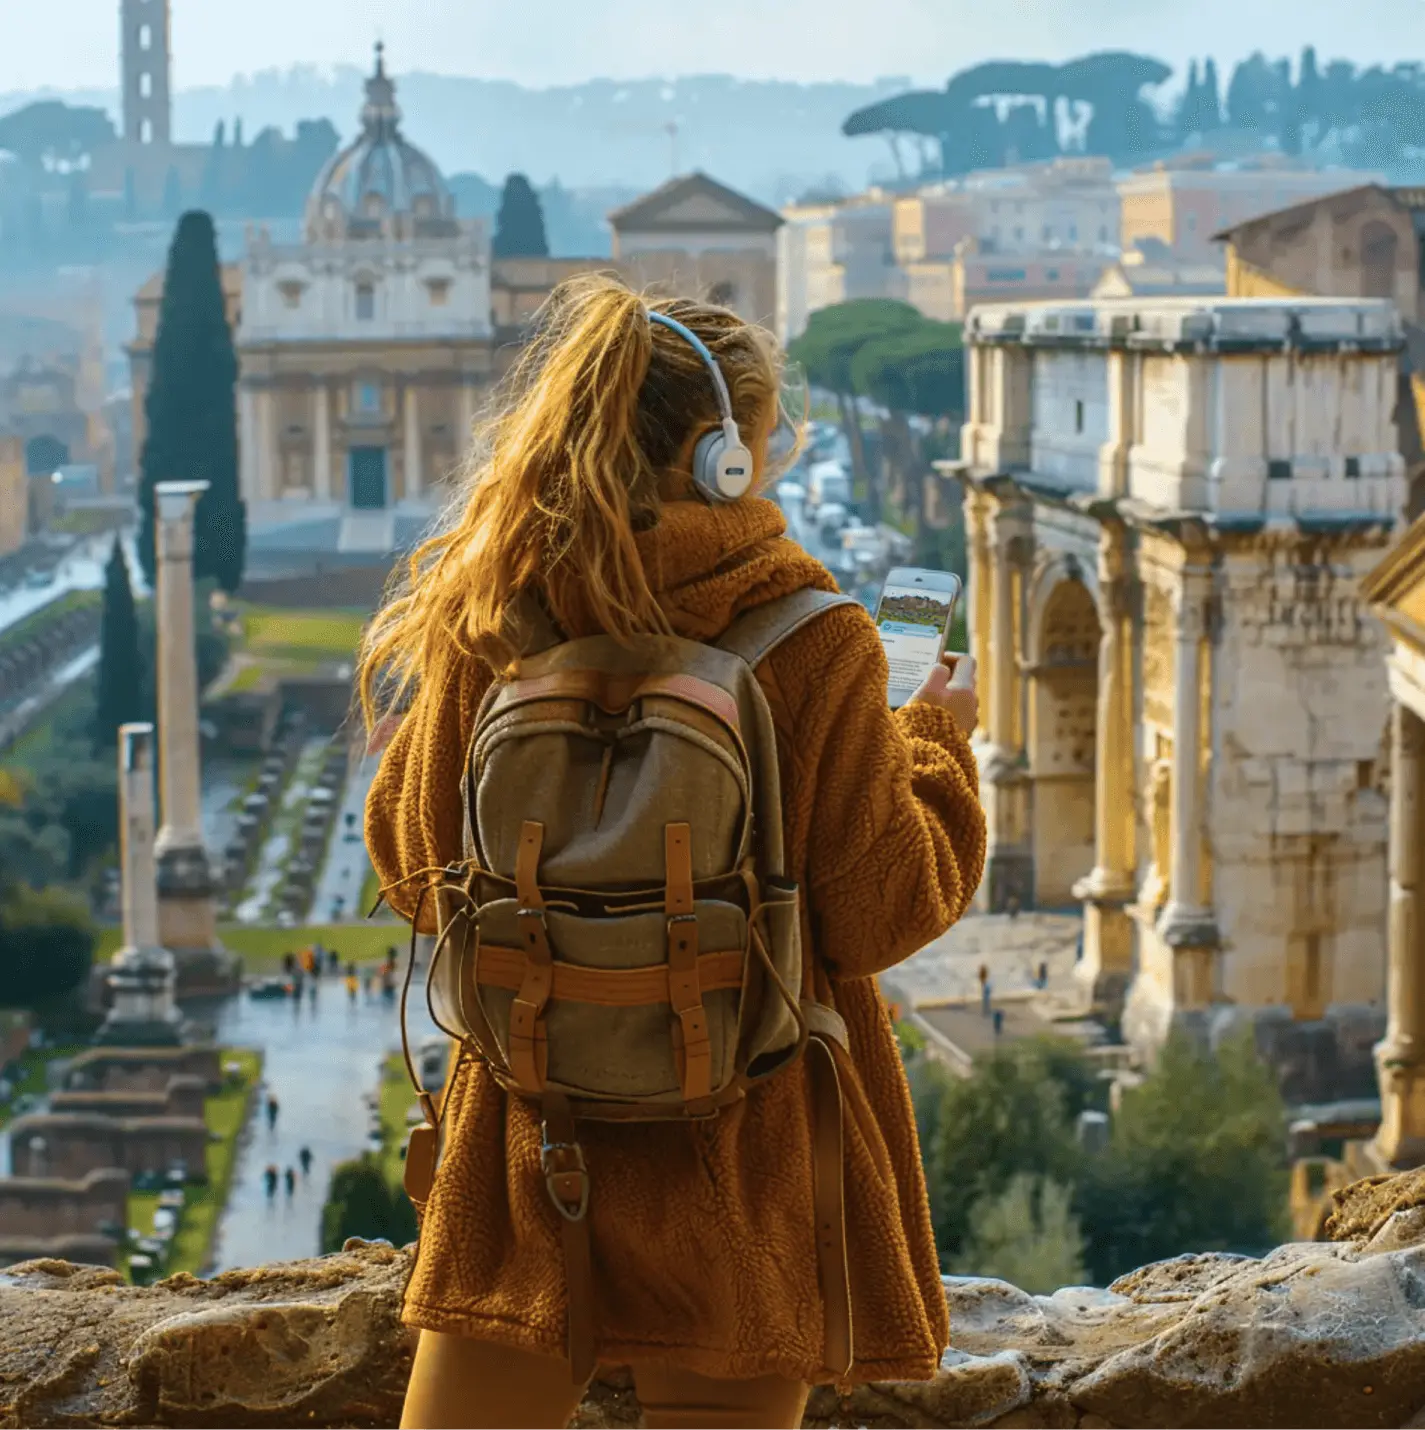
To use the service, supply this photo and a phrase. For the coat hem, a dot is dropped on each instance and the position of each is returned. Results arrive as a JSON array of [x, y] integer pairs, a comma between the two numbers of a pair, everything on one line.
[[716, 1363]]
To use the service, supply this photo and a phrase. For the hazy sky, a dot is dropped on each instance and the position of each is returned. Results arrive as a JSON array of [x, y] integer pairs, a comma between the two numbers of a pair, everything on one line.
[[71, 44]]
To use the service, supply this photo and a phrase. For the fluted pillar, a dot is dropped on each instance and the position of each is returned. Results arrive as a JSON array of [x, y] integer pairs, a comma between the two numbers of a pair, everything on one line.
[[1004, 782], [1107, 962], [1400, 1057], [978, 594], [142, 973], [249, 445], [414, 477], [321, 442], [186, 912], [1187, 925]]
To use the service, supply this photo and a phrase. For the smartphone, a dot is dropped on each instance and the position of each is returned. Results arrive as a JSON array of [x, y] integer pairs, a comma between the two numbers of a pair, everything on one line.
[[913, 617]]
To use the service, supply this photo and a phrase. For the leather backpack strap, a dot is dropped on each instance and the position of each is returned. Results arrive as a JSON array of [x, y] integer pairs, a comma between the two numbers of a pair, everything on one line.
[[755, 634]]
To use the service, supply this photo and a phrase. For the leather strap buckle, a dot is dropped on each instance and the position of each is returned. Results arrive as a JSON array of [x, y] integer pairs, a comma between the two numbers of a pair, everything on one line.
[[566, 1176]]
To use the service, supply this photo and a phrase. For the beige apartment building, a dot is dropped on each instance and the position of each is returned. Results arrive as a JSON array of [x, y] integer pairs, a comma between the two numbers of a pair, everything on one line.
[[829, 253], [1185, 205], [14, 495]]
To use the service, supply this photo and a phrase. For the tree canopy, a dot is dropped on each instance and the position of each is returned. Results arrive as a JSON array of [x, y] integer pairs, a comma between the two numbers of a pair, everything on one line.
[[191, 407], [50, 134], [119, 694], [519, 225]]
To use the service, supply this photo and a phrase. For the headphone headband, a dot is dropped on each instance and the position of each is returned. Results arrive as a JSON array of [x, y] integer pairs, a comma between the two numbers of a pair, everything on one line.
[[722, 465]]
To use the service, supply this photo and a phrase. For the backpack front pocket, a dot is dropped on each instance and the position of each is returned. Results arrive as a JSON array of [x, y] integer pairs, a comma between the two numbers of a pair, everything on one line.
[[608, 1030]]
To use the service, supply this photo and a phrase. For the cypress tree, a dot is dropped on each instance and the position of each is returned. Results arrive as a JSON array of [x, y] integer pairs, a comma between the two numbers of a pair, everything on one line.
[[192, 420], [119, 696], [519, 225]]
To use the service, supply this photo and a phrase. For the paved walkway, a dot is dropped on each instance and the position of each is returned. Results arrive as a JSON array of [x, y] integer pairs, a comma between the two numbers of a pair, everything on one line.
[[286, 823], [319, 1060], [1012, 948], [347, 862]]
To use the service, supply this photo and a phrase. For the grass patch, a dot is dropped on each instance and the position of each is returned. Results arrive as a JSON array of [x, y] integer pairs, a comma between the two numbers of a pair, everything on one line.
[[33, 1079], [37, 622], [225, 1113], [61, 724], [261, 949], [250, 677], [397, 1097], [302, 637]]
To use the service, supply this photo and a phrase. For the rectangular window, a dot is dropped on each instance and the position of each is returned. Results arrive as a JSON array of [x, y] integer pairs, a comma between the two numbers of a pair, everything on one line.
[[365, 302], [1004, 275], [1353, 467], [1078, 416], [368, 398], [1279, 471]]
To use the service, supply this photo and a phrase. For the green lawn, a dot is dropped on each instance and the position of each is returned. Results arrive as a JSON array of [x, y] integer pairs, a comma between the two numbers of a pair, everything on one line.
[[46, 616], [225, 1113], [304, 638], [397, 1098], [57, 725], [261, 948]]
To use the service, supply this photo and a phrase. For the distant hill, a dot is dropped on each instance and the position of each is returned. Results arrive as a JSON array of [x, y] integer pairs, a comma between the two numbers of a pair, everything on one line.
[[771, 139]]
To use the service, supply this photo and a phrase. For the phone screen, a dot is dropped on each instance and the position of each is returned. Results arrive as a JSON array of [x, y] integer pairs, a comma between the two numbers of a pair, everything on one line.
[[913, 620]]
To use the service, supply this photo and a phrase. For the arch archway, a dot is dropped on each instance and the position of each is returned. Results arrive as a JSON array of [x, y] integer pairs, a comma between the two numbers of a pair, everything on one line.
[[45, 454], [1063, 719]]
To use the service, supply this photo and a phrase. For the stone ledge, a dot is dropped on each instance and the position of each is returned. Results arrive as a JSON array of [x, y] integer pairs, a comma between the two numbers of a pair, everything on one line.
[[1314, 1334]]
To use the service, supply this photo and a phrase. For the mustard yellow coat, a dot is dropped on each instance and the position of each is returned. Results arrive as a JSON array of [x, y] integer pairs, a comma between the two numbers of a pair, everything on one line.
[[703, 1235]]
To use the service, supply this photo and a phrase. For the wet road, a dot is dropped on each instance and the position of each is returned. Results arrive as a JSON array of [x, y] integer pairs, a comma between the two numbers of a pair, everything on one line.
[[319, 1061]]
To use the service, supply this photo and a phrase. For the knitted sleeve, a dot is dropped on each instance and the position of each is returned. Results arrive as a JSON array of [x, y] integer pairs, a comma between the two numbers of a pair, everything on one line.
[[896, 837], [414, 813]]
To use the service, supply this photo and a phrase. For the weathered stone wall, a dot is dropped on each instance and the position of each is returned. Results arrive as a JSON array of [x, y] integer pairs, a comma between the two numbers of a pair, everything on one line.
[[54, 1206], [1316, 1334], [184, 1097], [142, 1069], [73, 1144]]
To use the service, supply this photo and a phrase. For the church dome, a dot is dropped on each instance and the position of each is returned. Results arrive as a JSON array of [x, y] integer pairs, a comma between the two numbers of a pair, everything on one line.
[[381, 184]]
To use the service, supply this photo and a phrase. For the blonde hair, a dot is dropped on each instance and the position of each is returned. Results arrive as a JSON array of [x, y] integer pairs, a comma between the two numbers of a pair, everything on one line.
[[598, 409]]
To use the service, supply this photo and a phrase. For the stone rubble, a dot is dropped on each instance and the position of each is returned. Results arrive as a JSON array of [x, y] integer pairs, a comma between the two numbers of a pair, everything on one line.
[[1314, 1334]]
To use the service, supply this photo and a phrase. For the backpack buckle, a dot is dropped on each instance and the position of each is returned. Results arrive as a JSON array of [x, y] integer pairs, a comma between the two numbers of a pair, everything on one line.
[[566, 1176], [530, 914]]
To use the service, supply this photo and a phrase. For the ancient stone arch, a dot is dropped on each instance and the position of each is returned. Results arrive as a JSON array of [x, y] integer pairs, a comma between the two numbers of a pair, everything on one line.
[[1063, 713]]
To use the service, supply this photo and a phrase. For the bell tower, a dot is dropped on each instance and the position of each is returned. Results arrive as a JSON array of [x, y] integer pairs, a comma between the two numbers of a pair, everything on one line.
[[144, 45]]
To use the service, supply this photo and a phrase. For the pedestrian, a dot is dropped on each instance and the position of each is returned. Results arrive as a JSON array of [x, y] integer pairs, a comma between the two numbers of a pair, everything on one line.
[[269, 1177], [984, 974], [312, 993], [614, 441], [351, 969], [388, 988], [1043, 974], [352, 987], [271, 1112], [289, 963], [1079, 948], [333, 961], [305, 1158], [999, 1021], [290, 1178], [985, 989], [1012, 906]]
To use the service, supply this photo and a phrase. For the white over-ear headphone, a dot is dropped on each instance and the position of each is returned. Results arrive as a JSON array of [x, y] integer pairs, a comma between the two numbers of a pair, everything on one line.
[[722, 465]]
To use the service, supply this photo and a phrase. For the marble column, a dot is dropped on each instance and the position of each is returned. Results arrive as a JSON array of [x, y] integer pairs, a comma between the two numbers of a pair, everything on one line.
[[142, 978], [267, 465], [1004, 777], [978, 595], [249, 445], [1186, 924], [187, 918], [321, 442], [1400, 1057], [414, 479], [1107, 962]]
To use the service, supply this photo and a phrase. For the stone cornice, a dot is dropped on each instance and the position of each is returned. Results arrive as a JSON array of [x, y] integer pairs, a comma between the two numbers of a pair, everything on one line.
[[1192, 1341]]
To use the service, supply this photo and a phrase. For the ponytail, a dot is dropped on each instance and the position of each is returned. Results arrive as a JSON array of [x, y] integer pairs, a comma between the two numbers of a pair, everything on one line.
[[565, 472]]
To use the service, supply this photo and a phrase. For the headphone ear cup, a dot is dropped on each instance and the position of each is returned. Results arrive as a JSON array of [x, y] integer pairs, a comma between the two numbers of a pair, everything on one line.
[[734, 471], [707, 456]]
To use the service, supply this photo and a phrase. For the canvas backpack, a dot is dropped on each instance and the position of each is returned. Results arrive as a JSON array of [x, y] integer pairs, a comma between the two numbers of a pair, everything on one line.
[[622, 941]]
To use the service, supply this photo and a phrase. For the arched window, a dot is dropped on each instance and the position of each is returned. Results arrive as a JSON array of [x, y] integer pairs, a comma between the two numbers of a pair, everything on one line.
[[365, 302], [1379, 247], [146, 132], [145, 37], [145, 85]]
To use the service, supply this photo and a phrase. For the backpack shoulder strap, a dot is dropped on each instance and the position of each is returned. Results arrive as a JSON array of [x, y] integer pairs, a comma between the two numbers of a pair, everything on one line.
[[755, 634]]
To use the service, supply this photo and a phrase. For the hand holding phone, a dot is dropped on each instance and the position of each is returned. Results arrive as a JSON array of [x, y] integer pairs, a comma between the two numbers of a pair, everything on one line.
[[951, 686], [913, 617]]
